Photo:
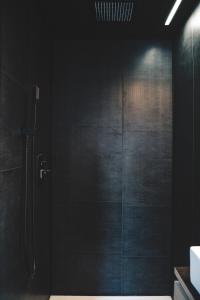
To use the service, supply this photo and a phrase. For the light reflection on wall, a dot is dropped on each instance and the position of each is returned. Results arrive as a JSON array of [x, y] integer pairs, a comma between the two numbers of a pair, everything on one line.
[[151, 55], [194, 21], [147, 105]]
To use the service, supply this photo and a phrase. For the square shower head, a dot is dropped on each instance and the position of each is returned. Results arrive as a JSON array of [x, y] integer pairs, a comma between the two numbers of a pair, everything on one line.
[[114, 11]]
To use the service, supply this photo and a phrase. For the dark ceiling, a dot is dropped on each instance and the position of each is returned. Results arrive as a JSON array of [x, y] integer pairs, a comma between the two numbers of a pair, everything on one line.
[[76, 19]]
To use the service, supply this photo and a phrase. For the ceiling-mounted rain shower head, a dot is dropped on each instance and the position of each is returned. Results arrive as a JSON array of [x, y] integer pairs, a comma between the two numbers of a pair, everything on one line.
[[114, 11]]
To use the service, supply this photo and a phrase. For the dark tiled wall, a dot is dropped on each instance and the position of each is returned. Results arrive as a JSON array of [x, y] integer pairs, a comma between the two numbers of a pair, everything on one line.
[[187, 138], [18, 73], [112, 140]]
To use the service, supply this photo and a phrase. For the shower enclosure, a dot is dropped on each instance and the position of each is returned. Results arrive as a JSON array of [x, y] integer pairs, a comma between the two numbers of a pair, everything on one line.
[[99, 117]]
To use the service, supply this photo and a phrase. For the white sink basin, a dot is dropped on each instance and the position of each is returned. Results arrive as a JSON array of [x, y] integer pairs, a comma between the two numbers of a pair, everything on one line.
[[195, 267]]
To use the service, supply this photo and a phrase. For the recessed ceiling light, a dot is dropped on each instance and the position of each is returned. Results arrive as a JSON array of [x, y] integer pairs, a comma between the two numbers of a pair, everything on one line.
[[173, 12]]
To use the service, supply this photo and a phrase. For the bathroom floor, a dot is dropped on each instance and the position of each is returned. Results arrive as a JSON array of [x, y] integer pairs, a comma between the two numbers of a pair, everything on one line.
[[110, 298]]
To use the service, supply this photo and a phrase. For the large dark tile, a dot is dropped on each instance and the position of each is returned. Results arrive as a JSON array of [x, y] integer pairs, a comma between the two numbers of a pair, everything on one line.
[[15, 40], [12, 147], [147, 182], [12, 256], [97, 100], [144, 61], [104, 140], [93, 163], [147, 87], [101, 108], [94, 228], [87, 275], [101, 182], [146, 276], [148, 144], [74, 143], [13, 103], [12, 119], [146, 231], [148, 106]]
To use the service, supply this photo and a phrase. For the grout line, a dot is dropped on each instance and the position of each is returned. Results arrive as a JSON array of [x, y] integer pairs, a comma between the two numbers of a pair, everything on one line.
[[193, 98], [12, 78], [122, 186], [108, 253], [10, 169], [193, 123], [118, 202], [195, 129]]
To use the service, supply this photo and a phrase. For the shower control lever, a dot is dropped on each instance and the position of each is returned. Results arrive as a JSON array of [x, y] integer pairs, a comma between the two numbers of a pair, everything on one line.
[[44, 172]]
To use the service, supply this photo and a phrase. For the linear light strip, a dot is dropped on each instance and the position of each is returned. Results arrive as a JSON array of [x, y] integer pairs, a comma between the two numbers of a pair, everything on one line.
[[173, 12]]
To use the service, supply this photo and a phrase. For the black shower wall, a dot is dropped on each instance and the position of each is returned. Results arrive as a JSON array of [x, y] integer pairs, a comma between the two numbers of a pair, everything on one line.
[[112, 140], [186, 64], [23, 63]]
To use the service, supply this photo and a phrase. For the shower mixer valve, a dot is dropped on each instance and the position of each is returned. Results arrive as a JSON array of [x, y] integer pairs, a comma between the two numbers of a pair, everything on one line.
[[44, 170]]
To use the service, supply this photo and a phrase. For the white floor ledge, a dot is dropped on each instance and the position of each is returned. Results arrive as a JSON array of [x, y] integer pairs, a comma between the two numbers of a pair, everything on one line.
[[110, 298]]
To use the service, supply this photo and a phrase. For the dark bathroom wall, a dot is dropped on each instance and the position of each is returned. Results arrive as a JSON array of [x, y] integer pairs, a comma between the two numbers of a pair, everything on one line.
[[112, 139], [22, 64], [187, 139]]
